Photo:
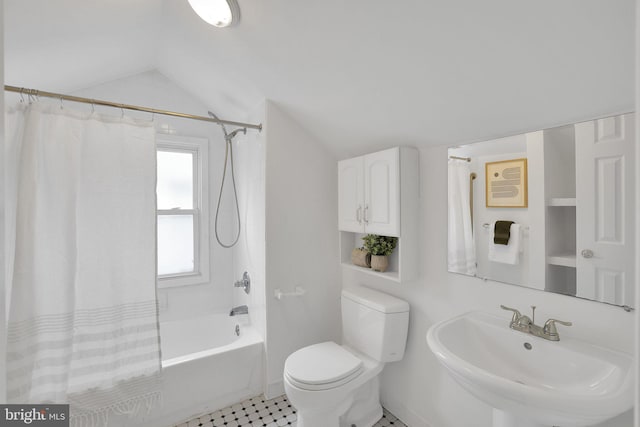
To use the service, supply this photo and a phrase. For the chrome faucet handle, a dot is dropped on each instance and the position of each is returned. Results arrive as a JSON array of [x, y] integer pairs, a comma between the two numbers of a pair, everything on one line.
[[244, 283], [550, 326], [516, 313], [524, 321]]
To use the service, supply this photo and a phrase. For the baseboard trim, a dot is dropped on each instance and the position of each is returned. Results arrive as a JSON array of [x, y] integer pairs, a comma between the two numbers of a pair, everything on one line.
[[404, 414], [274, 389]]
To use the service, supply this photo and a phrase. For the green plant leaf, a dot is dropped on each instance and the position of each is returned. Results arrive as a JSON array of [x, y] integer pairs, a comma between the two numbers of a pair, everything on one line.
[[379, 245]]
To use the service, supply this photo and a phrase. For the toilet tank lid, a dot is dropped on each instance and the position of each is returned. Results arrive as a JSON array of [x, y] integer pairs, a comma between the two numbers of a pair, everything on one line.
[[376, 300]]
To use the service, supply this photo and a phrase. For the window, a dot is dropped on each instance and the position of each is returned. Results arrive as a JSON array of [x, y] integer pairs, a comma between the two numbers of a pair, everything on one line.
[[182, 217]]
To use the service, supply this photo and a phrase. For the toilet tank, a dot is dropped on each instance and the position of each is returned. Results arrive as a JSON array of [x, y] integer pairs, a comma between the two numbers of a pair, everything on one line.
[[375, 323]]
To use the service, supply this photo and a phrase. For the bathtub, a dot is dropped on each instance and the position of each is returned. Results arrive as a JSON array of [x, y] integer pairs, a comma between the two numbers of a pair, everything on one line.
[[207, 363]]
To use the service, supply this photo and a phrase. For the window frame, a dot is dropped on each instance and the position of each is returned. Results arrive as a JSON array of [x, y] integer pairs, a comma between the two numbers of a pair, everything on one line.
[[199, 148]]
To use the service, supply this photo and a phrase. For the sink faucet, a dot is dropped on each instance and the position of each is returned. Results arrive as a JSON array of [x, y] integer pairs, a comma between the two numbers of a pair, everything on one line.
[[241, 309], [525, 324]]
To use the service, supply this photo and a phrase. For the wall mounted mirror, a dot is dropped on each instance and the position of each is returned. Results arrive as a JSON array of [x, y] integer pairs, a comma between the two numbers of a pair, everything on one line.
[[552, 210]]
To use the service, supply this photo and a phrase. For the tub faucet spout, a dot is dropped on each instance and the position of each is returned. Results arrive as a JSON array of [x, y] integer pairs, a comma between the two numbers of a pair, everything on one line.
[[242, 309]]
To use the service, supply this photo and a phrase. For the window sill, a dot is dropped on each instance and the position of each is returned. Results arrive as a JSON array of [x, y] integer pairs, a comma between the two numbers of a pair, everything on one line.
[[181, 280]]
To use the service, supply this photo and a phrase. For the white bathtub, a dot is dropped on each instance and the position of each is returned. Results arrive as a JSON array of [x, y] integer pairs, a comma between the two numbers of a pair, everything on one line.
[[186, 340], [205, 367]]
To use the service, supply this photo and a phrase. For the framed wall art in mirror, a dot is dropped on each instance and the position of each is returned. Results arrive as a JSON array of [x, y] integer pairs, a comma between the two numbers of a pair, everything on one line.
[[557, 212], [506, 183]]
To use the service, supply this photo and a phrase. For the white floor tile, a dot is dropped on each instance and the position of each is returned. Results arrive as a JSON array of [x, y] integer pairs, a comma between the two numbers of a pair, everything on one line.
[[258, 412]]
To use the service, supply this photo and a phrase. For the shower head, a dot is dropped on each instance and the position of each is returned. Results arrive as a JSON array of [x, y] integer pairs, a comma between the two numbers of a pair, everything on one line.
[[228, 136], [235, 132]]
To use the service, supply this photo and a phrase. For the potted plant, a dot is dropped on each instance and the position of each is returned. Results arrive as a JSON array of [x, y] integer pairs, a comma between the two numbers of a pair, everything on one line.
[[361, 257], [380, 247]]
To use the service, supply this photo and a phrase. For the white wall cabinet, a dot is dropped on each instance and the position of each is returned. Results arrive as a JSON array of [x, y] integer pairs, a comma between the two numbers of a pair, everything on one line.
[[351, 194], [378, 193], [369, 193]]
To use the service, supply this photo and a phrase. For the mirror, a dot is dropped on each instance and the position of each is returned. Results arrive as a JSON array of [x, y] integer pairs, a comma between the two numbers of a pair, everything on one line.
[[552, 210]]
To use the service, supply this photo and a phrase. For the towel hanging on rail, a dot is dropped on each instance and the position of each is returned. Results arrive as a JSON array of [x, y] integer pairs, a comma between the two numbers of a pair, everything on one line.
[[509, 253], [502, 232]]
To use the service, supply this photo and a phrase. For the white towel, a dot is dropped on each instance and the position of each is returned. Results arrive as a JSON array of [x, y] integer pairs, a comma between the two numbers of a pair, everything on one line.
[[506, 254]]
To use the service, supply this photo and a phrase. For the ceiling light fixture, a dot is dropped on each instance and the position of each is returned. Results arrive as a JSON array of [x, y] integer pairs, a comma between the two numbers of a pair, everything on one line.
[[219, 13]]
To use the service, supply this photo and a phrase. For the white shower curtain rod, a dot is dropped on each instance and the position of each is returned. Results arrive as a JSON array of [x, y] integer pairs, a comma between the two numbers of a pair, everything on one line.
[[39, 93]]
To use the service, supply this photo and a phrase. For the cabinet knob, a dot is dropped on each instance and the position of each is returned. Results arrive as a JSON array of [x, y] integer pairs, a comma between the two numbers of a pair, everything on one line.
[[587, 253]]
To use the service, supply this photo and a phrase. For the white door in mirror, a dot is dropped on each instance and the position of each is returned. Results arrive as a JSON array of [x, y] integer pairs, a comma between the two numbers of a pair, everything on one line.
[[605, 211]]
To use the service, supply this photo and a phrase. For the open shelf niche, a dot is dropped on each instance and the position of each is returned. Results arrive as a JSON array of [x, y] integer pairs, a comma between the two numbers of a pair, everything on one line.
[[560, 194], [350, 241], [403, 262]]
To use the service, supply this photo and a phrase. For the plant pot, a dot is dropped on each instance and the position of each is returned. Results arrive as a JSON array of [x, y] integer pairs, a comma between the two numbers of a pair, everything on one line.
[[379, 263], [361, 258]]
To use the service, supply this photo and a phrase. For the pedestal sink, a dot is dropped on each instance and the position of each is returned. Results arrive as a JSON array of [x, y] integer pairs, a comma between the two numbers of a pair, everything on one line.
[[531, 381]]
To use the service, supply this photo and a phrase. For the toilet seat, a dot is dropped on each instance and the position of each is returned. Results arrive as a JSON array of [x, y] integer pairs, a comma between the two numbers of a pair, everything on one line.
[[322, 367]]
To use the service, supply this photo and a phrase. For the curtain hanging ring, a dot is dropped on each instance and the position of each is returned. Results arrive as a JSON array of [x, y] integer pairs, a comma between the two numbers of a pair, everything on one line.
[[122, 109], [22, 95], [61, 104], [93, 107]]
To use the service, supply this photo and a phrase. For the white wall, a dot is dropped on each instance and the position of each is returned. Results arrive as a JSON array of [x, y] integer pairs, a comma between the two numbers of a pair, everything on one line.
[[249, 253], [152, 89], [2, 217], [637, 332], [301, 242], [417, 389]]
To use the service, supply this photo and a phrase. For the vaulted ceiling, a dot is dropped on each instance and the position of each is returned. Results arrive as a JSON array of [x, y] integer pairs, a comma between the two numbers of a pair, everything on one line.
[[357, 74]]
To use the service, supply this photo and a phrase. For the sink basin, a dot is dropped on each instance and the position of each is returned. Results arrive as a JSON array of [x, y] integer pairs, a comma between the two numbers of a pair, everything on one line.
[[566, 383]]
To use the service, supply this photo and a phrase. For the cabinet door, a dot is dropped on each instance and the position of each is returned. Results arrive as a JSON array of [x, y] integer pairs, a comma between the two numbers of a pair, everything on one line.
[[604, 209], [382, 192], [351, 195]]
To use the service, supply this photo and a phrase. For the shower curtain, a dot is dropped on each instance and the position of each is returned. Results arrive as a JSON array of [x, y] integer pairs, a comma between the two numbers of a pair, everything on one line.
[[83, 322], [461, 248]]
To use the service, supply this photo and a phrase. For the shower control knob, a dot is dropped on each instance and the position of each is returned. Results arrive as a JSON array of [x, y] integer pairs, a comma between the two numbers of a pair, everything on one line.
[[587, 253], [244, 283]]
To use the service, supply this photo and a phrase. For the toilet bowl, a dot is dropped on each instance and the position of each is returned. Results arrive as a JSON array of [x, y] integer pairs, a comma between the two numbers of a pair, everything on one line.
[[334, 385], [323, 395]]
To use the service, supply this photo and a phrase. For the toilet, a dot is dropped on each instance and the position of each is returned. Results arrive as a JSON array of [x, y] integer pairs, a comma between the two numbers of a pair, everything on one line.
[[334, 385]]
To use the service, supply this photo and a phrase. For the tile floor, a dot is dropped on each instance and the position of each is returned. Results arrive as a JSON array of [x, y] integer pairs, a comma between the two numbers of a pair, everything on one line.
[[258, 412]]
